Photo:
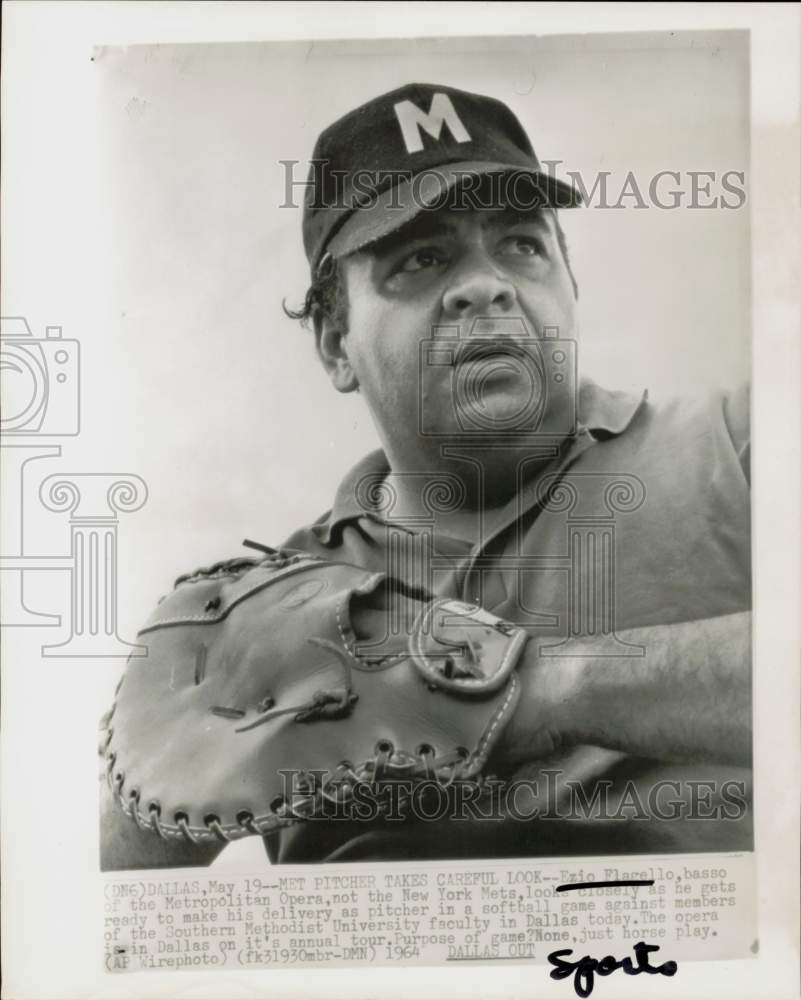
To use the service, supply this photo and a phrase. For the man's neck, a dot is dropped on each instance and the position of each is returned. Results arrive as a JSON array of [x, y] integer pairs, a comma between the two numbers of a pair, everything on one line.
[[467, 488]]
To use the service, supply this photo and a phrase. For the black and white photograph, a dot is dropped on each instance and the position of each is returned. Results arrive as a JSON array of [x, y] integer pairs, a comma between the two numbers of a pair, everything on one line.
[[386, 490], [530, 603]]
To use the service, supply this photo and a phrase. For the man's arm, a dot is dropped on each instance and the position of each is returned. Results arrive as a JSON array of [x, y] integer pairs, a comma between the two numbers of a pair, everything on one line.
[[687, 699]]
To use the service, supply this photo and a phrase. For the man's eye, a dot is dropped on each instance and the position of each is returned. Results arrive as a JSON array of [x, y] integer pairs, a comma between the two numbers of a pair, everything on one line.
[[525, 246], [421, 260]]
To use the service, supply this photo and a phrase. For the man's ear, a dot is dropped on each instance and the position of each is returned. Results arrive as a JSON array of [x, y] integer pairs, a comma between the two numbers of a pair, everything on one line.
[[332, 350]]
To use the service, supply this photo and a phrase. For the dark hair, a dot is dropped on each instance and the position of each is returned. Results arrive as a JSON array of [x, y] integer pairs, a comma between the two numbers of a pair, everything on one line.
[[328, 295]]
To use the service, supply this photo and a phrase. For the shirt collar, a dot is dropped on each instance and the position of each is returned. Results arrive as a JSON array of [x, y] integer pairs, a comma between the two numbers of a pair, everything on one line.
[[603, 413], [607, 412]]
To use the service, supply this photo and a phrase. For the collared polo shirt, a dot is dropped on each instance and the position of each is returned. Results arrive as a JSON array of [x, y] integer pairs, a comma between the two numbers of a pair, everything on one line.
[[641, 518]]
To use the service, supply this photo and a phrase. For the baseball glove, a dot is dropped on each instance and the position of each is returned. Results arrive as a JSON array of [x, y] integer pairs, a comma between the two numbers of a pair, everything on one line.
[[262, 669]]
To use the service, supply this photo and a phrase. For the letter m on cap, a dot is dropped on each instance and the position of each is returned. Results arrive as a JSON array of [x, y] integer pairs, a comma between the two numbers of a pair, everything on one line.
[[411, 119]]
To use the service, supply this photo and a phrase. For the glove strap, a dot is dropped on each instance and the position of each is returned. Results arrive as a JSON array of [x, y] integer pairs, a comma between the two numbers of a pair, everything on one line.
[[462, 648]]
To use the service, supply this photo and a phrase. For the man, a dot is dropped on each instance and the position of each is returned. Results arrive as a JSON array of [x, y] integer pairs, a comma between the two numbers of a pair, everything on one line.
[[611, 534]]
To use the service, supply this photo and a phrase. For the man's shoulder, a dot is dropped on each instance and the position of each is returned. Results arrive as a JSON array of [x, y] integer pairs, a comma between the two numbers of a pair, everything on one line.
[[725, 410], [680, 428]]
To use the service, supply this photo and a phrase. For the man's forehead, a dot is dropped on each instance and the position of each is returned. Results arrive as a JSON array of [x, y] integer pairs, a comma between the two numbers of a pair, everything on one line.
[[451, 221]]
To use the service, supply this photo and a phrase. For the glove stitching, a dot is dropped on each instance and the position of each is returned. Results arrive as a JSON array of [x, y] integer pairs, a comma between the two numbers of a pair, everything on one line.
[[362, 663], [487, 738], [215, 830], [242, 565], [257, 588]]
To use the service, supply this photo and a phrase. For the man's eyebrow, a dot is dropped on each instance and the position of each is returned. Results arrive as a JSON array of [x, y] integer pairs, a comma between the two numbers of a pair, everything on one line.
[[428, 226], [513, 216], [422, 227]]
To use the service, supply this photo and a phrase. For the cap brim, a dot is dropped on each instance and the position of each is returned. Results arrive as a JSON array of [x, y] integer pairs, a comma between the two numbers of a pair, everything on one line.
[[518, 187]]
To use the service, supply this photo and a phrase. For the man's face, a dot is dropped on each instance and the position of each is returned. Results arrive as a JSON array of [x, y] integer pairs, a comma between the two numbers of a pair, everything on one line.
[[449, 269]]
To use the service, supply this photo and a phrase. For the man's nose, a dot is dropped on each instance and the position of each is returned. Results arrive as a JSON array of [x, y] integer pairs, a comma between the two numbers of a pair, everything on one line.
[[477, 288]]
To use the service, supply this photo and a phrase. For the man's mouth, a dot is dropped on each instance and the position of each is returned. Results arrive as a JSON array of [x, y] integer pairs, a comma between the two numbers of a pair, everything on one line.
[[503, 351]]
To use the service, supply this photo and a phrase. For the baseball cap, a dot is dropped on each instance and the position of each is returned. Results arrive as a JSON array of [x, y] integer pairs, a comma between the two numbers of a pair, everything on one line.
[[380, 165]]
